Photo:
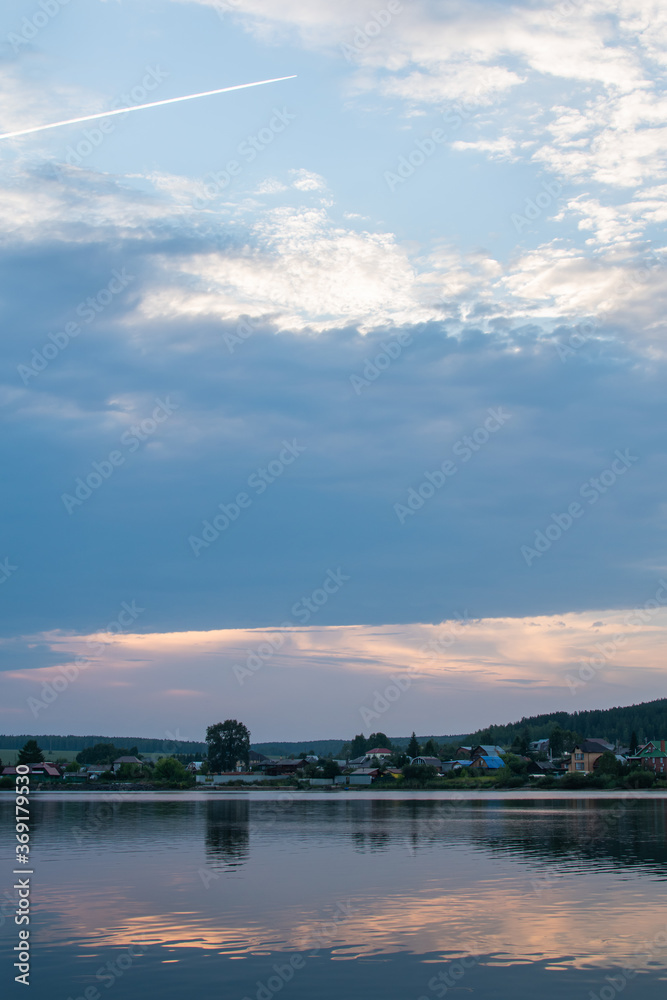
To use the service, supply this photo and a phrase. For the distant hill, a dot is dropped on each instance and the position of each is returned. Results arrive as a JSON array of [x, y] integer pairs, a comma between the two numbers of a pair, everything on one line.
[[648, 719], [324, 747], [142, 743]]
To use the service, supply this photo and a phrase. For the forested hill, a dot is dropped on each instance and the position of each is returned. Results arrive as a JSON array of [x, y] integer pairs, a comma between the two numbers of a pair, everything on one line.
[[648, 720], [144, 744]]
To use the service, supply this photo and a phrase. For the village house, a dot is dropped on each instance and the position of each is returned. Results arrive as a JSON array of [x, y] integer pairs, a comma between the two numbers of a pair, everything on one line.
[[46, 770], [583, 758], [428, 762], [377, 753], [481, 750], [124, 760], [652, 756], [364, 775], [487, 762], [454, 765], [284, 765]]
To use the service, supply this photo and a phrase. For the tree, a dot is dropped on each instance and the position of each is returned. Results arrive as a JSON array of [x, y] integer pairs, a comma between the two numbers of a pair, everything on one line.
[[171, 770], [419, 773], [515, 765], [358, 746], [72, 767], [431, 749], [608, 764], [330, 769], [127, 772], [523, 743], [633, 742], [556, 741], [228, 742], [412, 748], [30, 753], [101, 753], [379, 740]]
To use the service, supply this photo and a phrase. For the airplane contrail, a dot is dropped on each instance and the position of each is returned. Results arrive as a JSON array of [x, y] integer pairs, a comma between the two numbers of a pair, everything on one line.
[[140, 107]]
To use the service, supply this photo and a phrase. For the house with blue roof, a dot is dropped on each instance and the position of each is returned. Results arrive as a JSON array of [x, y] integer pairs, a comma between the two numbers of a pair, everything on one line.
[[487, 762]]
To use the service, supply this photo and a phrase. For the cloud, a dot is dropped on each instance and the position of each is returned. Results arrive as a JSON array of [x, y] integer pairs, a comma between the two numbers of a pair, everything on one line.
[[575, 92], [476, 664]]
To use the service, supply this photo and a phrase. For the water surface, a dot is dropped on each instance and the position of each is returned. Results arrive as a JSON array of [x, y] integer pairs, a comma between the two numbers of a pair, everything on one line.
[[349, 895]]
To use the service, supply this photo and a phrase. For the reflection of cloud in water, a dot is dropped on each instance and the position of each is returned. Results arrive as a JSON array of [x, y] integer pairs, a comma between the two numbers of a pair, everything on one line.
[[519, 881], [495, 921]]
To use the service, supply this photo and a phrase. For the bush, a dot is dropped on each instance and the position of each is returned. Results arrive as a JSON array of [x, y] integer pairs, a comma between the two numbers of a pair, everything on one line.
[[504, 778], [640, 779], [171, 771], [572, 780], [419, 774]]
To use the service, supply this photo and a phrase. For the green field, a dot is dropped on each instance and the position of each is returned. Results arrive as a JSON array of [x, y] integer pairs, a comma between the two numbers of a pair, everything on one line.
[[10, 756]]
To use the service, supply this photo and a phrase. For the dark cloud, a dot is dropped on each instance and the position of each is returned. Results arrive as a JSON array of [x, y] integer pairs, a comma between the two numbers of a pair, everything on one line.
[[335, 505]]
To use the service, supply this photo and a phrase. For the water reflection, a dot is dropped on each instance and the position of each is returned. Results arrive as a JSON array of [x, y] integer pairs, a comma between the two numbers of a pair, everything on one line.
[[227, 833], [565, 886]]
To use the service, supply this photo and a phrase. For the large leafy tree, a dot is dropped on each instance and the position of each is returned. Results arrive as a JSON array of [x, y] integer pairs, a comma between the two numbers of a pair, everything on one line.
[[30, 753], [228, 742]]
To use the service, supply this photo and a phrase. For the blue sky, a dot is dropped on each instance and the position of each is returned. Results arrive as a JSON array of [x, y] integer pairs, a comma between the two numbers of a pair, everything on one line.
[[455, 213]]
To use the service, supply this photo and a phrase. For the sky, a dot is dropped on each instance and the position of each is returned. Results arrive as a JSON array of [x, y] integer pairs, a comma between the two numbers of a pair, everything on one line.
[[331, 367]]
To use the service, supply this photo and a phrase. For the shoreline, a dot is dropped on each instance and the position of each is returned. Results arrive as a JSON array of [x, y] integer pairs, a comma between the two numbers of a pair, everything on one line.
[[469, 794]]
